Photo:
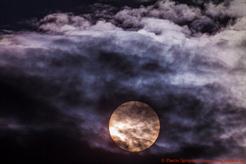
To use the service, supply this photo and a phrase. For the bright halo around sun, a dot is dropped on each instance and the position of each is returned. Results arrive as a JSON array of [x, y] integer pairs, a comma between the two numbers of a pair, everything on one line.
[[134, 126]]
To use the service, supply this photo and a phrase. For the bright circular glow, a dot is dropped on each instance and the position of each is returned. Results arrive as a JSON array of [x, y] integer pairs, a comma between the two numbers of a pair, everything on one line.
[[134, 126]]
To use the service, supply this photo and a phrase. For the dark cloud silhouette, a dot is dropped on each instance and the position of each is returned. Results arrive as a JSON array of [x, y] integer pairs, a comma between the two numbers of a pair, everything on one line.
[[59, 86]]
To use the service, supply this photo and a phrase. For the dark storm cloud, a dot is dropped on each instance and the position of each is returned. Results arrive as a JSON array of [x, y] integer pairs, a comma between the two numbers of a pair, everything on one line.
[[91, 72], [71, 77], [209, 18]]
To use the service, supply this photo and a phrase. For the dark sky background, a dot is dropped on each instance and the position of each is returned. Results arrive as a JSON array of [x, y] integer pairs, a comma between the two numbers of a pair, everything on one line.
[[66, 65]]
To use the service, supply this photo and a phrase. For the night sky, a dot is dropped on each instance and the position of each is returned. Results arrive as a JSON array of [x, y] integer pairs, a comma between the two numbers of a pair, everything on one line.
[[66, 65]]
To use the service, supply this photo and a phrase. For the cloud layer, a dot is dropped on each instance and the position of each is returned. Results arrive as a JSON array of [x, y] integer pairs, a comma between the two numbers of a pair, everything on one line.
[[186, 61]]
